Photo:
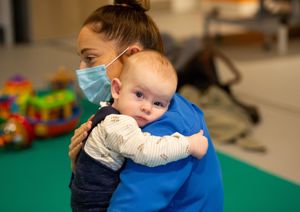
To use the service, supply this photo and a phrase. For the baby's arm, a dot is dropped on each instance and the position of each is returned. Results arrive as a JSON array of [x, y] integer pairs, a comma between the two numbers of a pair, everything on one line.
[[123, 135]]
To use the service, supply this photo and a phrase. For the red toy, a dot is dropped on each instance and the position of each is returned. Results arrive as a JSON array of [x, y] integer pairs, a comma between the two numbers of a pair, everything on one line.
[[16, 132]]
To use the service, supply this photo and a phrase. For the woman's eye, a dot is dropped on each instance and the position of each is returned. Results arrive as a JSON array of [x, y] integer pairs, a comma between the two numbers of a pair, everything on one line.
[[89, 59], [139, 94]]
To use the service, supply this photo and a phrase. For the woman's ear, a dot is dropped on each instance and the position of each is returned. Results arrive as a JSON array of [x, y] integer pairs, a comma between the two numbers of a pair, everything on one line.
[[115, 88], [132, 49]]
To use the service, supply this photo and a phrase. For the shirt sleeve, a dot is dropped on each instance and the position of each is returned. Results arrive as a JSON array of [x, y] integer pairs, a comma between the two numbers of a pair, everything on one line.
[[123, 135]]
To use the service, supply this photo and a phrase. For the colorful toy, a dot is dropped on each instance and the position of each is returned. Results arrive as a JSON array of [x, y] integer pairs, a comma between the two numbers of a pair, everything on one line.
[[7, 106], [17, 85], [21, 89], [15, 132], [62, 79], [25, 114], [53, 113]]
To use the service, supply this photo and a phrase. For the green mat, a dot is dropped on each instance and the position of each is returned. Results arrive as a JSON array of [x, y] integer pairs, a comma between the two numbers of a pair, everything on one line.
[[249, 189], [36, 179]]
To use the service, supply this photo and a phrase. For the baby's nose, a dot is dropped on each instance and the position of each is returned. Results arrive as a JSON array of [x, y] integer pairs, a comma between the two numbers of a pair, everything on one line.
[[146, 107]]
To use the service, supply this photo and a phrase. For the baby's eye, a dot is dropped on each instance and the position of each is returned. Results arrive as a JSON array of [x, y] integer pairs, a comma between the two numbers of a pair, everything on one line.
[[139, 94], [159, 104]]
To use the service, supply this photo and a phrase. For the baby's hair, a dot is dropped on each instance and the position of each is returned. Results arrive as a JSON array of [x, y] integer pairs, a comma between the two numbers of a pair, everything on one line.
[[150, 60]]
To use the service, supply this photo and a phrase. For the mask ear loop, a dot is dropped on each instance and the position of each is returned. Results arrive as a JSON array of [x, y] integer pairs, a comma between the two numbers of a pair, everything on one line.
[[116, 57]]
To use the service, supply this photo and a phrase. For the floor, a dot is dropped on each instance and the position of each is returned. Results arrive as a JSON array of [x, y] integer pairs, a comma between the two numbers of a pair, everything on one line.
[[272, 84], [270, 81]]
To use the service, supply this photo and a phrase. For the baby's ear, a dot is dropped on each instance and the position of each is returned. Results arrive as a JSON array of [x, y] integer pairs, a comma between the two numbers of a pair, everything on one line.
[[115, 88]]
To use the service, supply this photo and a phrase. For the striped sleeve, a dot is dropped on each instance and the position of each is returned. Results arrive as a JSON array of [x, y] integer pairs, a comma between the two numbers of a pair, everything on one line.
[[123, 136]]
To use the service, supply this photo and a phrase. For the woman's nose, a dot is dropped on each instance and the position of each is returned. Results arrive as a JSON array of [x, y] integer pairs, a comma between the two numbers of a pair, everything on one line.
[[82, 65]]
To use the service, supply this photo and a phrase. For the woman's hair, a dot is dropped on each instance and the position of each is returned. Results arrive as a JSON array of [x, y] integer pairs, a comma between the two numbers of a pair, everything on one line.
[[127, 22]]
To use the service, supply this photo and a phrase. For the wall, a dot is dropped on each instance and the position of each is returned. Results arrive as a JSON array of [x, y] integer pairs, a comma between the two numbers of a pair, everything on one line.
[[59, 18]]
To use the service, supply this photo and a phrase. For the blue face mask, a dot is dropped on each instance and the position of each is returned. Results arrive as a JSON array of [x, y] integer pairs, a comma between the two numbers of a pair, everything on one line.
[[95, 83]]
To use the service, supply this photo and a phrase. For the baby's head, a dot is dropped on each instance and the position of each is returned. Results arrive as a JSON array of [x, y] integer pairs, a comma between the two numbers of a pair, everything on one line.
[[145, 87]]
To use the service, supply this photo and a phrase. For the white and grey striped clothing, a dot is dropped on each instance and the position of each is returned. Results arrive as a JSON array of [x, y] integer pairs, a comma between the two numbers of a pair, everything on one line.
[[119, 136]]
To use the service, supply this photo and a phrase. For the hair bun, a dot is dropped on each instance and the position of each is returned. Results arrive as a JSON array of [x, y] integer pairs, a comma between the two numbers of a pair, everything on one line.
[[143, 5]]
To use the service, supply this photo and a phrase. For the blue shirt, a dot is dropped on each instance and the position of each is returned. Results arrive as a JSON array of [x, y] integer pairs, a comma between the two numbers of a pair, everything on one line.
[[188, 185]]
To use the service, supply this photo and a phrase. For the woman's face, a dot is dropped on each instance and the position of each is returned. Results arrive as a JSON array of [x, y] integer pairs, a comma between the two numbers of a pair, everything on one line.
[[95, 50]]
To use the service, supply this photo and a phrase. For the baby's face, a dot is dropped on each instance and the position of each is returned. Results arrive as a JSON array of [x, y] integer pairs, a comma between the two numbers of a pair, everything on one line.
[[145, 97]]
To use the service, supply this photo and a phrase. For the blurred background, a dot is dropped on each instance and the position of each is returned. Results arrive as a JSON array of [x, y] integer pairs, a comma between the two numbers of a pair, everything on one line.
[[252, 49]]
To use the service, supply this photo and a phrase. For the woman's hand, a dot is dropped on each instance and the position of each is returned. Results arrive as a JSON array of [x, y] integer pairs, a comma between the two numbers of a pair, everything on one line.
[[76, 141]]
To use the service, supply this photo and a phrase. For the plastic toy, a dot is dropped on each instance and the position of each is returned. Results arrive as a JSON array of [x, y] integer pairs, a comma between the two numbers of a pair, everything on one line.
[[62, 79], [15, 132], [7, 106], [53, 113], [19, 88], [25, 113], [17, 85]]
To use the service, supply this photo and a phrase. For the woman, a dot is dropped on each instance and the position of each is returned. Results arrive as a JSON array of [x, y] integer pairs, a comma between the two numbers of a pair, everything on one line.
[[185, 185]]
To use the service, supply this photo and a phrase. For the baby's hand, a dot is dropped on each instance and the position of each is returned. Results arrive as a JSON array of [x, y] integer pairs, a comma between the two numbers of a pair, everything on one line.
[[198, 144]]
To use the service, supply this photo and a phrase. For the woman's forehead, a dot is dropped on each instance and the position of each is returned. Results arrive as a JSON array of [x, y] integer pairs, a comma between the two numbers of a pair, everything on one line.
[[87, 38]]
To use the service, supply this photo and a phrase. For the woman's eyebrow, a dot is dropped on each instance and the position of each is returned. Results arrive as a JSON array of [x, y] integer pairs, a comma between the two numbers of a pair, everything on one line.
[[82, 51]]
